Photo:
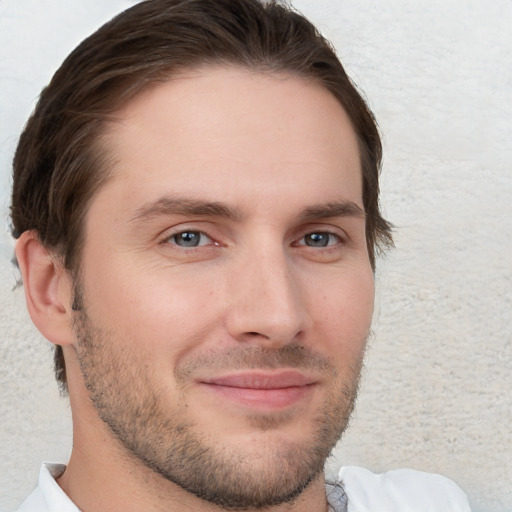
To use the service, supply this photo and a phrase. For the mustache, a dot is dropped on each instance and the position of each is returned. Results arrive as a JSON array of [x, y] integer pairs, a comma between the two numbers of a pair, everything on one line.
[[256, 357]]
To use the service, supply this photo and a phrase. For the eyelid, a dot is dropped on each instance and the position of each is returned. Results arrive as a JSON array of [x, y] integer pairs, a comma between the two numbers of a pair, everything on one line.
[[329, 229], [301, 242], [169, 234], [333, 230], [201, 234]]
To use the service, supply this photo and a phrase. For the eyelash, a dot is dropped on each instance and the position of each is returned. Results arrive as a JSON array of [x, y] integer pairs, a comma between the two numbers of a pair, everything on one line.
[[338, 239], [330, 235], [202, 234]]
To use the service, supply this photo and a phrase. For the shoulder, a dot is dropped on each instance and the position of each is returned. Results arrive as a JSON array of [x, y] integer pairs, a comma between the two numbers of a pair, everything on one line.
[[48, 496], [401, 490], [34, 502]]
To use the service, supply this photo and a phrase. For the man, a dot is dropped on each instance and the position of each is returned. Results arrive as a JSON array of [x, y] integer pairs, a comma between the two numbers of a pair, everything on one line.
[[196, 205]]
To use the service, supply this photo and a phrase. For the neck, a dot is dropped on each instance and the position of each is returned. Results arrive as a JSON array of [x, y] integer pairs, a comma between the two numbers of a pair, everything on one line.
[[103, 475], [116, 484]]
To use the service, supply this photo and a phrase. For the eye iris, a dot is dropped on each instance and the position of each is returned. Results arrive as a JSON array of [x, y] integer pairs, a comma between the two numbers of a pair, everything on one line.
[[188, 239], [317, 239]]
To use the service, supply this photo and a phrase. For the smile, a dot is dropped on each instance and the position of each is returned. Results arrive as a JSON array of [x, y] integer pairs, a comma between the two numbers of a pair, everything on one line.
[[261, 390]]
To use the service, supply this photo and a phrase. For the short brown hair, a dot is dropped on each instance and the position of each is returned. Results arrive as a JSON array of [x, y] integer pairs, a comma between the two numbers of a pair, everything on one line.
[[58, 166]]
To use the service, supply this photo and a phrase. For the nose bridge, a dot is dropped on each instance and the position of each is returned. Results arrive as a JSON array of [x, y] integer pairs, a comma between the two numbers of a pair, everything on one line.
[[268, 298]]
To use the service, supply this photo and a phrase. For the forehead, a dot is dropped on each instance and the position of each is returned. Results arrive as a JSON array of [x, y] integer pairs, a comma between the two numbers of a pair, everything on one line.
[[228, 133]]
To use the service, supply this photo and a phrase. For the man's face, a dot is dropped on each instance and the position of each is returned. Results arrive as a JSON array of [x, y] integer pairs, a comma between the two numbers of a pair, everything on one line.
[[225, 283]]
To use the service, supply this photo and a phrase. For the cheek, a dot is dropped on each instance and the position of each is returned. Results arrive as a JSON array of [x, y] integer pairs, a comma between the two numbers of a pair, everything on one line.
[[343, 311], [155, 311]]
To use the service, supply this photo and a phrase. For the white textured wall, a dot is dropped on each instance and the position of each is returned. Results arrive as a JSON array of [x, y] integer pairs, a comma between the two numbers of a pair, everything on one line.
[[437, 388]]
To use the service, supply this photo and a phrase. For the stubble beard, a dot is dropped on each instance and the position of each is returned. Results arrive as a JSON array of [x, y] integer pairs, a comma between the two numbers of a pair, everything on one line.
[[171, 445]]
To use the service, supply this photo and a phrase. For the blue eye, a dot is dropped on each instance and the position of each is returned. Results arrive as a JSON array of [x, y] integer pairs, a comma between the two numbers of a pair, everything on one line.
[[190, 239], [320, 239]]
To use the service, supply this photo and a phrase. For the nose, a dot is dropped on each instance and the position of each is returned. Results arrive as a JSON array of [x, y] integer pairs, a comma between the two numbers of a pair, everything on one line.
[[267, 303]]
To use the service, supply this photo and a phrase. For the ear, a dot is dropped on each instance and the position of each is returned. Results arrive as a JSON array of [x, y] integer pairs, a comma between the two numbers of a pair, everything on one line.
[[48, 289]]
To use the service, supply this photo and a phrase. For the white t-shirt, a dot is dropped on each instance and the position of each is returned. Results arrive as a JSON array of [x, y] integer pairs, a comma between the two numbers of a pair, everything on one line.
[[358, 490]]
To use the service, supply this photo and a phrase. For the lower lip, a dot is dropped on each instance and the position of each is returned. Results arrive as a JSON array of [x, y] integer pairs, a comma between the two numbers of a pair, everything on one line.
[[264, 399]]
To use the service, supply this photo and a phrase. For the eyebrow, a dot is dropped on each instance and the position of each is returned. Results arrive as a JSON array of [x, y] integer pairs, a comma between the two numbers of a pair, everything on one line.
[[197, 208], [184, 206], [333, 209]]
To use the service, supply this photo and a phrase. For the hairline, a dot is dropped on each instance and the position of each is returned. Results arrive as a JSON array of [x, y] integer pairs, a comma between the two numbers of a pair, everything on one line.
[[108, 160]]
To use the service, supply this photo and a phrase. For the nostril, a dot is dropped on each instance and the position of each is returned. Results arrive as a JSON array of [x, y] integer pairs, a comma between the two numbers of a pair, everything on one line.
[[254, 334]]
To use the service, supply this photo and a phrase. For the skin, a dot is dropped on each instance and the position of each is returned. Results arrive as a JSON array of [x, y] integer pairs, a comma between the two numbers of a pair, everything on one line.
[[260, 169]]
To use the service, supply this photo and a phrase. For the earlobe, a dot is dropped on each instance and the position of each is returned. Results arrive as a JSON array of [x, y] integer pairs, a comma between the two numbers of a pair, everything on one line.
[[48, 289]]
